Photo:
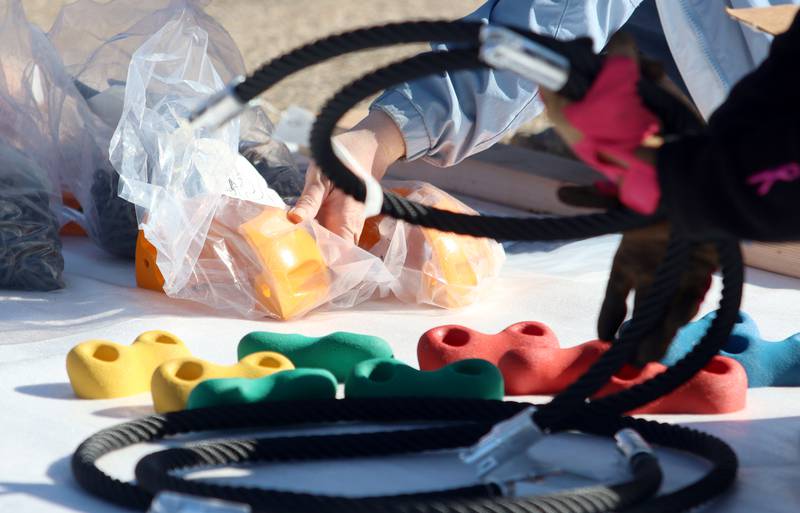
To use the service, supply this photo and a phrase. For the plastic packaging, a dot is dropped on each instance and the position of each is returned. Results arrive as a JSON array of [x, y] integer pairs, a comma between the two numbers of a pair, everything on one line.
[[64, 142], [34, 121], [96, 41], [219, 234], [30, 250], [429, 266], [271, 158]]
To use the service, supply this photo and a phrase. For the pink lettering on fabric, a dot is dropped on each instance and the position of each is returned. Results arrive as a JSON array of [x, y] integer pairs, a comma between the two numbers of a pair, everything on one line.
[[764, 180]]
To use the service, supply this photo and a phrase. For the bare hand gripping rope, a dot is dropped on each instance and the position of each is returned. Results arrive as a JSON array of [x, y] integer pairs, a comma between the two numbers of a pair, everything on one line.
[[495, 437]]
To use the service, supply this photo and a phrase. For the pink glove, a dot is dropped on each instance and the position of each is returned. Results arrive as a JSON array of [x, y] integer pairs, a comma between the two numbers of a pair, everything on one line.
[[614, 121]]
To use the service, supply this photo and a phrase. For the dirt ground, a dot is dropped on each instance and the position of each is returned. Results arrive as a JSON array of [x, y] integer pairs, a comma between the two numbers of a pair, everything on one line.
[[266, 28]]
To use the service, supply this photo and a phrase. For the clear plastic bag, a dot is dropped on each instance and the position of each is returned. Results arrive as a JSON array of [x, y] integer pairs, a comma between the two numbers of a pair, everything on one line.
[[34, 124], [271, 158], [219, 233], [97, 41], [65, 145], [429, 266], [30, 250]]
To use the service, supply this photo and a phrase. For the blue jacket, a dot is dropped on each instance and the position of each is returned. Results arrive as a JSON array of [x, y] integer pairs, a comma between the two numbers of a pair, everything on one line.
[[449, 117]]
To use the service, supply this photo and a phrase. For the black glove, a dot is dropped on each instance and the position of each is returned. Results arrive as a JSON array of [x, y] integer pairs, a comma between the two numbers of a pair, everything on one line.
[[633, 269]]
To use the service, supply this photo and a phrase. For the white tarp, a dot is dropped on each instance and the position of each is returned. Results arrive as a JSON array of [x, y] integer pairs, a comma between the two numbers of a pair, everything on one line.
[[42, 422]]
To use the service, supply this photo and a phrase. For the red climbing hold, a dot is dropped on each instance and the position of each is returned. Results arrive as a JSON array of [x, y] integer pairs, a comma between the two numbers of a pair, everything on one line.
[[532, 363]]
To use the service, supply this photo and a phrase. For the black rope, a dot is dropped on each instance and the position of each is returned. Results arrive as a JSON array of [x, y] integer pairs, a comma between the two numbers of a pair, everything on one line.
[[498, 227], [155, 473]]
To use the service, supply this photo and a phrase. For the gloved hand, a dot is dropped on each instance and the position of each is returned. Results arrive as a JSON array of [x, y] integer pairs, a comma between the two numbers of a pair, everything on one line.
[[633, 269], [611, 129]]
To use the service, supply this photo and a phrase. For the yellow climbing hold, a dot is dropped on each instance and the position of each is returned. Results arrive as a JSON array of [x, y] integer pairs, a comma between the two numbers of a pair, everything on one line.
[[174, 380], [99, 369]]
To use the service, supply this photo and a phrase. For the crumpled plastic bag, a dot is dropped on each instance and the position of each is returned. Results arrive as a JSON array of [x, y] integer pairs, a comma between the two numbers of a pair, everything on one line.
[[220, 235], [37, 142], [429, 266], [271, 158], [97, 41], [65, 146]]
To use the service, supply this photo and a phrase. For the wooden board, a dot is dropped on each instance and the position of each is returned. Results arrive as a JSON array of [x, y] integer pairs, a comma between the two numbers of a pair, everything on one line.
[[778, 258], [507, 175], [773, 20]]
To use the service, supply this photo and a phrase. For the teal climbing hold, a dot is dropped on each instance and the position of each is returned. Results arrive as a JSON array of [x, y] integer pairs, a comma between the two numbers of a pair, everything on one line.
[[383, 377], [767, 364], [282, 386], [338, 352]]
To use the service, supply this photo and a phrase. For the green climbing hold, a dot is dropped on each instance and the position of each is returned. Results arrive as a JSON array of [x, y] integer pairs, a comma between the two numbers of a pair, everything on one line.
[[281, 386], [338, 352], [382, 377]]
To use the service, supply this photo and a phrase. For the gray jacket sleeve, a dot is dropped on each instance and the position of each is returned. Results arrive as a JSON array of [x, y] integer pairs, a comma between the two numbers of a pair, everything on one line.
[[446, 118]]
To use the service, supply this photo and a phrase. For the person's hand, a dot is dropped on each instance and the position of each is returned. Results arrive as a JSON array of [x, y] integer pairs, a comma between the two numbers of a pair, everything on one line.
[[633, 269], [375, 143]]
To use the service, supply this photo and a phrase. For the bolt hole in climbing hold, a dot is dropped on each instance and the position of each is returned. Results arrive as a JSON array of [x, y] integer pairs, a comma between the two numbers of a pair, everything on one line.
[[382, 372], [717, 366], [106, 353], [189, 371], [147, 263], [456, 337], [269, 362], [165, 339], [628, 373], [469, 368], [736, 344], [533, 330]]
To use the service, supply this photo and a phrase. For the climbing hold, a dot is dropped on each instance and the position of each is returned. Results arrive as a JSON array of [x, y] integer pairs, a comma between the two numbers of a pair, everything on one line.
[[767, 363], [148, 276], [294, 277], [99, 369], [287, 270], [438, 267], [383, 377], [283, 386], [72, 228], [720, 387], [527, 354], [532, 363], [337, 352], [173, 381]]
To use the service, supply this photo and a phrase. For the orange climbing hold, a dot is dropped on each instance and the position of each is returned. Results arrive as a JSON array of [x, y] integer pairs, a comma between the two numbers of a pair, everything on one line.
[[279, 259], [440, 268], [294, 277], [72, 228], [148, 275]]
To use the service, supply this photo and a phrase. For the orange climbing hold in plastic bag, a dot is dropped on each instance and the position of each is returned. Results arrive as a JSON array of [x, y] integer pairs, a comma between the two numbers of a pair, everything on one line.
[[431, 266], [293, 278], [276, 263], [147, 274], [72, 228]]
